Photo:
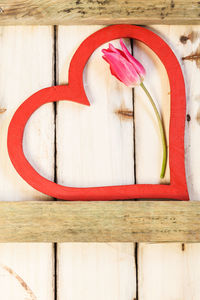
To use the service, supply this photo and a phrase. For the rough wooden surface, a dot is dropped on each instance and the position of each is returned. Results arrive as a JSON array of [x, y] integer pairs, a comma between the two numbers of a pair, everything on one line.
[[115, 221], [49, 12]]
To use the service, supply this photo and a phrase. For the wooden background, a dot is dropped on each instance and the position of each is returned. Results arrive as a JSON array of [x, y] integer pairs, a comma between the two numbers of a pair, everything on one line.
[[115, 141]]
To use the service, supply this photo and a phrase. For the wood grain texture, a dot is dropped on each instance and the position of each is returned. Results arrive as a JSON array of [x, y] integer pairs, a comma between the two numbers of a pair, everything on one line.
[[115, 221], [63, 12]]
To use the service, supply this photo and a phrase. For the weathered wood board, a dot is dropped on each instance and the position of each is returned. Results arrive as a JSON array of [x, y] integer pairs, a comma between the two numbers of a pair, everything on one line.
[[94, 149], [61, 12], [121, 221], [169, 271], [26, 270]]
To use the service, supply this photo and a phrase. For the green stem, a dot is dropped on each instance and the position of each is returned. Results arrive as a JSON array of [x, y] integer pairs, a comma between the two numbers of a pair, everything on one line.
[[164, 145]]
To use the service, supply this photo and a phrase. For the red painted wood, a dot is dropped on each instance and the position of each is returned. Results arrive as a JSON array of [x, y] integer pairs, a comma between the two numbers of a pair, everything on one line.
[[74, 91]]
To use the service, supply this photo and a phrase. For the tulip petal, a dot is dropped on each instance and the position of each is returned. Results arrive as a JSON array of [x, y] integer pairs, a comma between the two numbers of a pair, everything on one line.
[[138, 66], [104, 51], [122, 69], [111, 69], [112, 49], [104, 57]]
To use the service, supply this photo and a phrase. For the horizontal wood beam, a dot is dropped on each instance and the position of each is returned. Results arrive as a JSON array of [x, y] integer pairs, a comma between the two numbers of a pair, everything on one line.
[[110, 221], [62, 12]]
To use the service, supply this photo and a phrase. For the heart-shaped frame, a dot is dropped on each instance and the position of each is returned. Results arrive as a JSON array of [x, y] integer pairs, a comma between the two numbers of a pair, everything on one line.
[[74, 91]]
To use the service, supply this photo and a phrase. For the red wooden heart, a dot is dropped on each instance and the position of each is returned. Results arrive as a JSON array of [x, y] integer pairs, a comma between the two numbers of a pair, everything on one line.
[[74, 91]]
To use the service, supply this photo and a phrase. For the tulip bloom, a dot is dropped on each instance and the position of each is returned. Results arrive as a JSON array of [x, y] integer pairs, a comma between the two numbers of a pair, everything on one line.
[[123, 65], [130, 71]]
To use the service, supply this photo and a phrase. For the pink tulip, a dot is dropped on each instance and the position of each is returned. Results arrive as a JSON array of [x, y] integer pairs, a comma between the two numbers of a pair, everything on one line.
[[130, 71], [123, 65]]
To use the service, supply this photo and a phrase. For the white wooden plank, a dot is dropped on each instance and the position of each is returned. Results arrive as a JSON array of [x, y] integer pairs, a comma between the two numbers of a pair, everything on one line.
[[147, 135], [95, 144], [96, 270], [26, 271], [169, 271], [25, 66], [94, 148]]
